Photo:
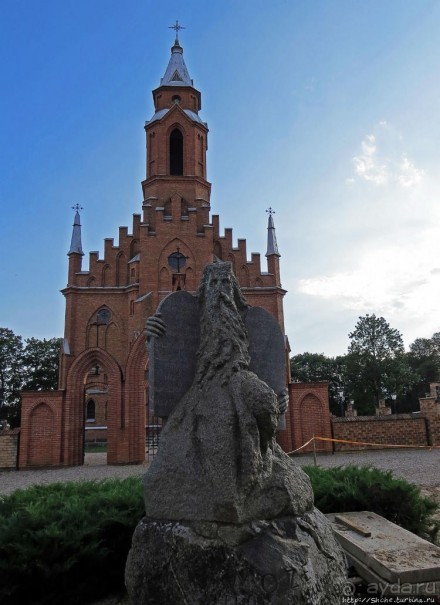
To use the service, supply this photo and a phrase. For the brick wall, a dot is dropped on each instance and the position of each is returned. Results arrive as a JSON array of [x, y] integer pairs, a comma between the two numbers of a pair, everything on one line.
[[430, 407], [40, 439], [309, 415], [402, 429], [434, 425], [9, 448]]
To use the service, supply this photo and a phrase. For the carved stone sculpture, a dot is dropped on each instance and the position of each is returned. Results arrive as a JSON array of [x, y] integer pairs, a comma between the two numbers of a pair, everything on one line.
[[228, 513]]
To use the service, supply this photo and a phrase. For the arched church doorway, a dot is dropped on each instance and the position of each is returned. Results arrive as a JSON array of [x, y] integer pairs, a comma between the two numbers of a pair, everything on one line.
[[95, 415]]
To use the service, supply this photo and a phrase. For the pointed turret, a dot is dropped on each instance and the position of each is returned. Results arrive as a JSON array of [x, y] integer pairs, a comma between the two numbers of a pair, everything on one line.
[[75, 253], [176, 86], [272, 254], [176, 73], [75, 244], [272, 246]]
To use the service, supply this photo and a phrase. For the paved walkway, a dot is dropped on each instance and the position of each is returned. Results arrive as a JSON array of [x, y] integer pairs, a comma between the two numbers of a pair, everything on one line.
[[421, 467], [94, 469]]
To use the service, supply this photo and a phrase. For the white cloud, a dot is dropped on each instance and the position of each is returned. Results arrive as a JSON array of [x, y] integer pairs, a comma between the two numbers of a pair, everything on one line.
[[383, 281], [400, 282], [409, 175], [386, 236], [367, 164], [382, 160]]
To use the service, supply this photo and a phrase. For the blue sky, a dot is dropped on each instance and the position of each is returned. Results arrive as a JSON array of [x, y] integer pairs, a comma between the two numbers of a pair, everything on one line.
[[328, 111]]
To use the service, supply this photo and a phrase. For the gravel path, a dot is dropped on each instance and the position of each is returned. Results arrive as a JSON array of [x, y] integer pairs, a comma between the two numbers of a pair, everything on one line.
[[421, 467], [95, 468]]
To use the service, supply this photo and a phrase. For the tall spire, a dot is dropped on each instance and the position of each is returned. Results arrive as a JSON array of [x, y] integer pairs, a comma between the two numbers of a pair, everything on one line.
[[272, 246], [176, 73], [75, 244]]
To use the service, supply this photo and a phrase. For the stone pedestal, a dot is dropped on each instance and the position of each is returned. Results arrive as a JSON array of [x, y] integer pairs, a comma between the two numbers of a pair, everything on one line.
[[290, 560]]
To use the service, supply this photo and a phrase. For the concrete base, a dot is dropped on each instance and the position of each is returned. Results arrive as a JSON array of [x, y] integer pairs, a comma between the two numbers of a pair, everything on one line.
[[385, 554], [288, 561]]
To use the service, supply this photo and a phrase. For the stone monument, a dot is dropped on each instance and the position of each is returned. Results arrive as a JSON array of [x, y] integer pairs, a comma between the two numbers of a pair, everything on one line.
[[229, 516]]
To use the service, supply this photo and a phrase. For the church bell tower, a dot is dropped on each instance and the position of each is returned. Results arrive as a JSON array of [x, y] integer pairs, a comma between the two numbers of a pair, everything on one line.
[[176, 141]]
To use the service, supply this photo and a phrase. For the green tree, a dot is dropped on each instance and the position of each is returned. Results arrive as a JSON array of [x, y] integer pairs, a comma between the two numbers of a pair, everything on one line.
[[426, 347], [376, 363], [311, 367], [424, 359], [11, 352], [40, 364], [316, 367], [33, 366]]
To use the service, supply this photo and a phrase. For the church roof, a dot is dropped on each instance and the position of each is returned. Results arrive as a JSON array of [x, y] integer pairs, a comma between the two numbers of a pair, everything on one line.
[[162, 112], [75, 244], [272, 246], [176, 73], [135, 259]]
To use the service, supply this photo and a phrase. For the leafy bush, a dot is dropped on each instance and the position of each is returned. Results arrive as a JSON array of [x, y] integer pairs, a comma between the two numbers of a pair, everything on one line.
[[67, 542], [353, 488]]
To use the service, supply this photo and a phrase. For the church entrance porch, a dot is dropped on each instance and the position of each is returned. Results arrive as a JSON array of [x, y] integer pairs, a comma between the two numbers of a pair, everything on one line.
[[96, 401]]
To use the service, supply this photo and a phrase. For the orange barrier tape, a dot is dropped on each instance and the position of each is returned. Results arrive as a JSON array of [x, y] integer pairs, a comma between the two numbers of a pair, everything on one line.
[[424, 447], [429, 447], [300, 448]]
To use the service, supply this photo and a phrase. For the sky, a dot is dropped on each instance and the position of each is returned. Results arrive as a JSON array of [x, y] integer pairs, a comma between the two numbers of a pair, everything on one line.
[[326, 111]]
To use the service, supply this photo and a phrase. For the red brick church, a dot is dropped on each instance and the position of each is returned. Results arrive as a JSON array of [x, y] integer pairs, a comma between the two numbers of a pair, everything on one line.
[[103, 382]]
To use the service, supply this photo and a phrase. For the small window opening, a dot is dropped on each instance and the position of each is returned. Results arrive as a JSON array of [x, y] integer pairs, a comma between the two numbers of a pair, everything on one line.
[[176, 152], [90, 411], [176, 77]]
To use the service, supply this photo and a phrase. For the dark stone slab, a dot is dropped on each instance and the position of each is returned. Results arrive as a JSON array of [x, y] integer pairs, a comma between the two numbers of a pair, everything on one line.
[[173, 356], [267, 350]]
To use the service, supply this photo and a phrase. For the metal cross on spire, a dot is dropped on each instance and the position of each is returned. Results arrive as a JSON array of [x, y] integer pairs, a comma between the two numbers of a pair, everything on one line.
[[176, 27], [77, 207], [270, 211]]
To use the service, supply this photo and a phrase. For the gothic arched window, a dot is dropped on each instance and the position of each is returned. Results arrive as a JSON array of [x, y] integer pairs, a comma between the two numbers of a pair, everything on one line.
[[176, 152]]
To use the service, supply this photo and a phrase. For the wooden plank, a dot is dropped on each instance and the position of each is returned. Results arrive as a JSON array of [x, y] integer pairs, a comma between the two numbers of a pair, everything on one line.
[[357, 528]]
